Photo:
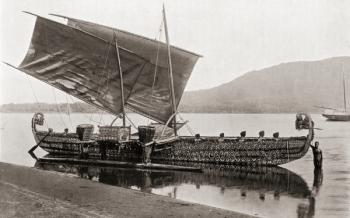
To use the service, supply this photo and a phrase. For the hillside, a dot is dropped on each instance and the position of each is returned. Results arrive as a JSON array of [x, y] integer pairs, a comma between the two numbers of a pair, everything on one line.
[[77, 107], [285, 88], [288, 87]]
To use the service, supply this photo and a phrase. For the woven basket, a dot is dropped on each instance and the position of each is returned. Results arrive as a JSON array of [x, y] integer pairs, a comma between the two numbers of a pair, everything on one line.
[[116, 133], [85, 131]]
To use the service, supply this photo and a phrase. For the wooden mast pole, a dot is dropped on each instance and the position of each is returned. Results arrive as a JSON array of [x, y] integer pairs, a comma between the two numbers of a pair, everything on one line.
[[171, 80], [121, 79], [344, 91]]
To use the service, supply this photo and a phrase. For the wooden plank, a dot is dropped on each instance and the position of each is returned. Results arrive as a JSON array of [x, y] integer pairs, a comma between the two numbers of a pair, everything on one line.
[[119, 164]]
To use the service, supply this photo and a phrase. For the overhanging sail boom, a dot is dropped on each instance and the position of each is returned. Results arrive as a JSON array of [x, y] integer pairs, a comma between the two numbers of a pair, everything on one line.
[[142, 100], [78, 23], [82, 63]]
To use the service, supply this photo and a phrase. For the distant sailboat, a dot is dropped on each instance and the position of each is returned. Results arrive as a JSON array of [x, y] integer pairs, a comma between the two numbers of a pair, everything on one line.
[[338, 114]]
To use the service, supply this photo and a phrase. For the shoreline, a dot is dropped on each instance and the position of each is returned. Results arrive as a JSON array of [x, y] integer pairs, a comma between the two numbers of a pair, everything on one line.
[[30, 192], [54, 112]]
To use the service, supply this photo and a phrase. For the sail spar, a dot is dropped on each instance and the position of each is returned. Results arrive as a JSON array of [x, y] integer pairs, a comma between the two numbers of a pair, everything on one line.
[[79, 58]]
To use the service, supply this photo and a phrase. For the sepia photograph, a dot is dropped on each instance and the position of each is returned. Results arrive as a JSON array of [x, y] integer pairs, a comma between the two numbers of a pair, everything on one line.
[[182, 108]]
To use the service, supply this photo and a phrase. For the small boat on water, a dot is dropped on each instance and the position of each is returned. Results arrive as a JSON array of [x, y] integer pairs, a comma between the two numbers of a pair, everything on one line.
[[333, 114], [112, 70], [336, 115]]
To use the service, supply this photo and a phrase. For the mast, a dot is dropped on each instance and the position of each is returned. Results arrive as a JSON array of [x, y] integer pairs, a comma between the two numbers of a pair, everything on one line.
[[344, 92], [172, 92], [100, 39], [121, 78]]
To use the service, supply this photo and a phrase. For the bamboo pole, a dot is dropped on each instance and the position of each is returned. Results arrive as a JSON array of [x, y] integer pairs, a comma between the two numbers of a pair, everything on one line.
[[171, 80], [121, 78], [344, 91]]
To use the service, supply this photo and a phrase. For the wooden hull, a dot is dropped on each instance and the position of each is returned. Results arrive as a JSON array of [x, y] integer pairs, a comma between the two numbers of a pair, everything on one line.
[[227, 150], [231, 151], [337, 117], [61, 144], [186, 149]]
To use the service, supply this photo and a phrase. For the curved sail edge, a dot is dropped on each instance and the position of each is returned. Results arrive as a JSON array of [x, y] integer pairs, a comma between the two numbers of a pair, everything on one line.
[[84, 65]]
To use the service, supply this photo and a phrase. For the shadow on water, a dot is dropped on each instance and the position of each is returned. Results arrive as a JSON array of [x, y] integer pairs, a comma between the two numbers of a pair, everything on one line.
[[230, 183], [308, 210]]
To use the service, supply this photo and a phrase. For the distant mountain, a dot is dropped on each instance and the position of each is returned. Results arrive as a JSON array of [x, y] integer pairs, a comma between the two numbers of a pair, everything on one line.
[[285, 88], [288, 87], [77, 107]]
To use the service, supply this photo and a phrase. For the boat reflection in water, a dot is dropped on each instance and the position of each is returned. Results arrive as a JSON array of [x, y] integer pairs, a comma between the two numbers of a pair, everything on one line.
[[308, 209], [265, 191]]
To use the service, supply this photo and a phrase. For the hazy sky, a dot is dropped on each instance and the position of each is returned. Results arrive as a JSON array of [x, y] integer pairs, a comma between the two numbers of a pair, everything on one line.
[[234, 36]]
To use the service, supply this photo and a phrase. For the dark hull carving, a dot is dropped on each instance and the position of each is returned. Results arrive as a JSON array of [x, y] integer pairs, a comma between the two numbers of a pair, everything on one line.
[[209, 150], [231, 150], [60, 144]]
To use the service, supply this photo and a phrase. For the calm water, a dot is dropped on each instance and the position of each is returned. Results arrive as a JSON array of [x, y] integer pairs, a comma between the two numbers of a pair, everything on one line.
[[268, 192]]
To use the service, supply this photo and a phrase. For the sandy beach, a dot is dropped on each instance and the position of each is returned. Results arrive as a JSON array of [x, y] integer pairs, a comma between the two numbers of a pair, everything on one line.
[[30, 192]]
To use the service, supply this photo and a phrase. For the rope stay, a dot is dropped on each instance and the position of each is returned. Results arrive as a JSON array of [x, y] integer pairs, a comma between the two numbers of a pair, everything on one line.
[[68, 111], [288, 150], [188, 127], [160, 30], [101, 117], [156, 64], [133, 125], [36, 99], [57, 106], [104, 67], [89, 118], [170, 71], [120, 76], [101, 113]]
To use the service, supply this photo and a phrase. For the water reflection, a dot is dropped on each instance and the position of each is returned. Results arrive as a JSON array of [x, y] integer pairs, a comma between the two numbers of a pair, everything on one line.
[[308, 209], [277, 180], [229, 187]]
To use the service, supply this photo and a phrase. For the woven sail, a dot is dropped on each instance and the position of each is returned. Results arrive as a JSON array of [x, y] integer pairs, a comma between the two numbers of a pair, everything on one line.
[[80, 59]]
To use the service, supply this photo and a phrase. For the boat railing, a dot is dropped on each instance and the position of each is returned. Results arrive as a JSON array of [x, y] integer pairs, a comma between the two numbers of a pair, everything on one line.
[[247, 138]]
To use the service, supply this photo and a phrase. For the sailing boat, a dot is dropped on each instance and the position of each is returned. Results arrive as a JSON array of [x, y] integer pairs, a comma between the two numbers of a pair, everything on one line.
[[338, 114], [112, 69]]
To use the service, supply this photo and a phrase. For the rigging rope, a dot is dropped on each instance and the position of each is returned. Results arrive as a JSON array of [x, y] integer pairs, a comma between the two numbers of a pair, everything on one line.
[[58, 107], [188, 127], [288, 150], [79, 108], [68, 112], [99, 88], [36, 99], [101, 117], [104, 66], [156, 64], [127, 117]]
